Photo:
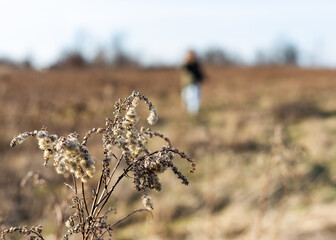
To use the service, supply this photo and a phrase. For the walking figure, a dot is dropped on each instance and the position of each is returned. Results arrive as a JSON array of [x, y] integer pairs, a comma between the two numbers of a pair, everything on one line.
[[192, 77]]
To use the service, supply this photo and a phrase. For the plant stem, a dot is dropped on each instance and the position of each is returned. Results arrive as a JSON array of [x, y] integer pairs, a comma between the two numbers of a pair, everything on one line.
[[84, 198], [110, 192], [105, 189]]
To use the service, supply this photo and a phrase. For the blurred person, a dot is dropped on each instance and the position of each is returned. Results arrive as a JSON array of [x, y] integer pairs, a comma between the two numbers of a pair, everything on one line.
[[192, 77]]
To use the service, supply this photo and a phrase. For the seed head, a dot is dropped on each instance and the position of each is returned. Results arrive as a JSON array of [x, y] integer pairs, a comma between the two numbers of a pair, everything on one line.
[[153, 116], [147, 202]]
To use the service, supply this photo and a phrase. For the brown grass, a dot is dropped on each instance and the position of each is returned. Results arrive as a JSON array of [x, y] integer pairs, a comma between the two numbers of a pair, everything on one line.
[[235, 194]]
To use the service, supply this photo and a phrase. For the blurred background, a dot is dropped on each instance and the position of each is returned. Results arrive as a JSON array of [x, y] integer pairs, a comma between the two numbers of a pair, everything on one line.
[[43, 33], [264, 139]]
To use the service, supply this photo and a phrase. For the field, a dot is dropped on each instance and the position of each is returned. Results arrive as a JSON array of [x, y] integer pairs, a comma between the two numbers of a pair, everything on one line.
[[264, 144]]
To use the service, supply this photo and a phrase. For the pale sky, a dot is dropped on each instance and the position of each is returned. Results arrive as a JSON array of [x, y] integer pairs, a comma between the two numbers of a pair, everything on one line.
[[164, 30]]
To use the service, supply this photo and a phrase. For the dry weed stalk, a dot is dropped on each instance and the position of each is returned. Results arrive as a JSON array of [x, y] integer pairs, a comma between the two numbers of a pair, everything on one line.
[[281, 167], [70, 156]]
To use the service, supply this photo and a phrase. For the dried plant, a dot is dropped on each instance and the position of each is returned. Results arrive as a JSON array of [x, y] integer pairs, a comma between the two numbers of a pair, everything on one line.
[[281, 172], [72, 158]]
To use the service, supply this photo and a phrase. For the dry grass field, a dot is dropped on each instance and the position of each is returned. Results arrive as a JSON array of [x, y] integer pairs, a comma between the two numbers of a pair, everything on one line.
[[264, 144]]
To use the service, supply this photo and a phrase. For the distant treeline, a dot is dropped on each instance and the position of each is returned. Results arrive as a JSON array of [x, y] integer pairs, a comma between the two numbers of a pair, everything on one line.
[[282, 54], [285, 53]]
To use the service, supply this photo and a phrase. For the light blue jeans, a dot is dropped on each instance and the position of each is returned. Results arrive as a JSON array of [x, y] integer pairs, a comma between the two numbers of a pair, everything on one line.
[[191, 96]]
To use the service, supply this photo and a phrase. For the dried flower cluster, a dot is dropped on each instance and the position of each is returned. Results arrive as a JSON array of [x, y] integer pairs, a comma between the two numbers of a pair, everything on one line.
[[122, 133], [32, 232], [120, 137], [147, 202], [68, 154]]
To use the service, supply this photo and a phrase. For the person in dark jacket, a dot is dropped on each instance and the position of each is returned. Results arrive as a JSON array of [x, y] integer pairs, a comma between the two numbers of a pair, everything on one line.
[[192, 77]]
